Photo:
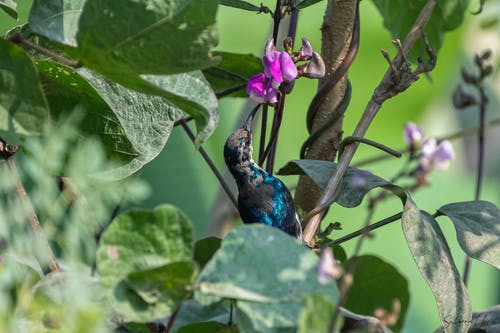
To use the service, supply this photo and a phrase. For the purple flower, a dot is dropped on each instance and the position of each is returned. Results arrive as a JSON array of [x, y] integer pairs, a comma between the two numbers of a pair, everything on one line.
[[413, 134], [306, 51], [313, 69], [278, 66], [260, 89], [328, 269], [436, 156]]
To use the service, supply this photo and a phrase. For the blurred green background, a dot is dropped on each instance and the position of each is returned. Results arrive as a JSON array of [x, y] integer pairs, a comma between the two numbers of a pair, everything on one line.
[[179, 175]]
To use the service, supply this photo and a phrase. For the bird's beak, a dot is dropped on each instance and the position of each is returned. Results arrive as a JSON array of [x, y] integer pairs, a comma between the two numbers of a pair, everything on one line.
[[248, 123]]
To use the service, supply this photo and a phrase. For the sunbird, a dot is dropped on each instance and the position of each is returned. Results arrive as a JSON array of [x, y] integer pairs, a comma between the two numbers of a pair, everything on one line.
[[262, 198]]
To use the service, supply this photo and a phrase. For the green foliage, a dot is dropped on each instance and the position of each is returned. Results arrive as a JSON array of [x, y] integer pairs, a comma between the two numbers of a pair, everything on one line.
[[144, 259], [399, 16], [233, 71], [377, 285], [306, 3], [433, 258], [268, 295], [208, 327], [9, 6], [23, 108], [316, 315], [204, 249], [478, 229]]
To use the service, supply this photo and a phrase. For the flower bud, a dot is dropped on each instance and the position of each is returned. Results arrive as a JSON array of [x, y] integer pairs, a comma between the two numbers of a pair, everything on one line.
[[306, 51], [313, 69]]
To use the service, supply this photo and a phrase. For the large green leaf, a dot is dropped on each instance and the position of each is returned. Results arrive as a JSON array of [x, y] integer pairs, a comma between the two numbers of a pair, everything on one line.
[[433, 258], [56, 19], [67, 92], [144, 260], [306, 3], [152, 294], [377, 284], [141, 240], [351, 192], [478, 229], [10, 7], [146, 120], [267, 272], [399, 16], [233, 72], [137, 42], [23, 108]]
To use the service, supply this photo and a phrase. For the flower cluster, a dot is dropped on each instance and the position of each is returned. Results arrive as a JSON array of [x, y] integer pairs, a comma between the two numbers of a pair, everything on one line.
[[280, 68], [433, 155]]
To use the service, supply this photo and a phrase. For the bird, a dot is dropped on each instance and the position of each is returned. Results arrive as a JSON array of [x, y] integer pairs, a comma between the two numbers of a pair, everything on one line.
[[262, 198]]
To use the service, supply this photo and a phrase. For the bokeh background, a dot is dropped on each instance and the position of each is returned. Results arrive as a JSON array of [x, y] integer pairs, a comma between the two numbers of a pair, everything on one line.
[[180, 177]]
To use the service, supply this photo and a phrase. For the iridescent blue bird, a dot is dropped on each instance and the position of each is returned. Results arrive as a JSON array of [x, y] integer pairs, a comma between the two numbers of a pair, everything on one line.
[[262, 198]]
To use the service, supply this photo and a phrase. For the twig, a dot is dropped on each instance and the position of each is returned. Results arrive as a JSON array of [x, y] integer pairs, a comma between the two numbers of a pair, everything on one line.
[[386, 89], [212, 166], [263, 128], [172, 318], [351, 139], [359, 232], [18, 39], [7, 154], [230, 90]]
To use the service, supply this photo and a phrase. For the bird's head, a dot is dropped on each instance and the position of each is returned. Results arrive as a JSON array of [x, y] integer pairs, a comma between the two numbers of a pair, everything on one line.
[[238, 148]]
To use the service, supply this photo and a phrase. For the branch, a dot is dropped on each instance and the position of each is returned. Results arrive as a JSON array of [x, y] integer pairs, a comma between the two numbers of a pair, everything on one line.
[[18, 39], [390, 86], [7, 154]]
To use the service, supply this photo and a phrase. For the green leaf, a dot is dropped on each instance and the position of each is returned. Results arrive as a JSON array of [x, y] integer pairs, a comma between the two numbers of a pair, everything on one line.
[[193, 312], [152, 294], [147, 37], [10, 7], [306, 3], [233, 71], [141, 240], [67, 92], [57, 20], [146, 120], [350, 195], [267, 272], [240, 4], [377, 284], [191, 93], [478, 229], [433, 258], [208, 327], [23, 108], [399, 16], [204, 250], [165, 283], [316, 316]]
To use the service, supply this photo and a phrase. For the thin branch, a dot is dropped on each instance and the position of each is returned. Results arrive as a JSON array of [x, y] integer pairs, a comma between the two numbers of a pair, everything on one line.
[[212, 166], [7, 154], [230, 90], [263, 128], [172, 318], [351, 139], [18, 39], [384, 90], [363, 230]]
